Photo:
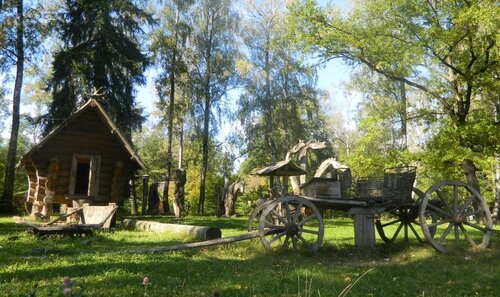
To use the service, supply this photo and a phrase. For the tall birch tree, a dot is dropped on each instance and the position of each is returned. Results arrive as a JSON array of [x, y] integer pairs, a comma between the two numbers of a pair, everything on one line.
[[211, 68], [17, 54], [168, 43], [279, 104]]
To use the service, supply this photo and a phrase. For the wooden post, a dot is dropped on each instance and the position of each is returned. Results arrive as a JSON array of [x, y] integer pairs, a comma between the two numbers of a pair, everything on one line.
[[284, 191], [271, 186], [133, 202], [144, 193], [364, 226]]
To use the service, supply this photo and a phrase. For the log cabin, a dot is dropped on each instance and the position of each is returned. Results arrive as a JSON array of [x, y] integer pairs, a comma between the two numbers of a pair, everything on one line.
[[86, 159]]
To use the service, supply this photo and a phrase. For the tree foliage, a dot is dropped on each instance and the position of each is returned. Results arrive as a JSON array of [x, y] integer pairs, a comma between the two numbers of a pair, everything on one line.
[[280, 103], [100, 55], [448, 50], [152, 146]]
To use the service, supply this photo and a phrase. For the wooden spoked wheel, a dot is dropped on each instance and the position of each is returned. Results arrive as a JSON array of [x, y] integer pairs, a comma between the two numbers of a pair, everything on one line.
[[254, 218], [461, 217], [401, 220], [291, 221]]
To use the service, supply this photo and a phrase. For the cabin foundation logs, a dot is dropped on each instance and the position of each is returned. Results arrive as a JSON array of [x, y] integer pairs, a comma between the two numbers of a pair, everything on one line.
[[51, 185], [45, 190]]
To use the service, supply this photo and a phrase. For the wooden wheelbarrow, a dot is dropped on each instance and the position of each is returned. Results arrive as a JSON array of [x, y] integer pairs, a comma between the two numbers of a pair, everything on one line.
[[89, 218]]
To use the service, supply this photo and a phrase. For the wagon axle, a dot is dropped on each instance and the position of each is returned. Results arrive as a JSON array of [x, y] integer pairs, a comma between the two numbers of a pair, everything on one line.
[[292, 229]]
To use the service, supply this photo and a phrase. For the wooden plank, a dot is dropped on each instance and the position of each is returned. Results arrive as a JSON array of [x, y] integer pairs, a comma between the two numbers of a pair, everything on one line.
[[336, 204], [65, 230], [100, 215]]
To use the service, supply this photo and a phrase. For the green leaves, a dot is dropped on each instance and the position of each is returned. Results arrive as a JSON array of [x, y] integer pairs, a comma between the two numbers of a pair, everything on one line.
[[452, 43], [280, 101]]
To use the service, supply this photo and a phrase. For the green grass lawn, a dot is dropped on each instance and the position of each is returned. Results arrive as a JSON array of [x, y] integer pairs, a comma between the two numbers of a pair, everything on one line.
[[98, 265]]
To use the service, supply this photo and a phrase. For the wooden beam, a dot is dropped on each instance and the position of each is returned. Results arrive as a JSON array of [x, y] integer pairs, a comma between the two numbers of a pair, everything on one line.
[[186, 246]]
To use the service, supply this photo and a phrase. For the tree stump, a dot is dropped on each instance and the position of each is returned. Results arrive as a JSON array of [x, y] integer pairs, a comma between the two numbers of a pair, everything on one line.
[[180, 181], [153, 200]]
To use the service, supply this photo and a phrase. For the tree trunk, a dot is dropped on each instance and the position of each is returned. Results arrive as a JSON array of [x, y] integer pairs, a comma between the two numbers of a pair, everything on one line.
[[225, 196], [180, 180], [153, 199], [470, 174], [144, 193], [181, 145], [471, 177], [219, 201], [204, 152], [10, 170], [199, 233], [232, 192], [170, 129], [403, 115], [496, 208]]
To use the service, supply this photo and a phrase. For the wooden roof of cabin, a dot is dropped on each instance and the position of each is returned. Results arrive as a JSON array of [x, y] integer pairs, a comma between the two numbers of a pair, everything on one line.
[[106, 119], [281, 168]]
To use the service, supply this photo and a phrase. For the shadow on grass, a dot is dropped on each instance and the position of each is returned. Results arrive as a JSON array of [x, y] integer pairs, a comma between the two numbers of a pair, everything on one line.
[[220, 270], [240, 269], [11, 228]]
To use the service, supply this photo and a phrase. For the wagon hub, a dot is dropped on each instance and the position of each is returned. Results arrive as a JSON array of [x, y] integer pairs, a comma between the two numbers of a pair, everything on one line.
[[292, 229], [459, 218], [407, 215]]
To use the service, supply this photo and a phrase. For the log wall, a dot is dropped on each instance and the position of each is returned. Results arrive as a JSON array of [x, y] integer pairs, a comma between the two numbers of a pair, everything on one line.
[[86, 134]]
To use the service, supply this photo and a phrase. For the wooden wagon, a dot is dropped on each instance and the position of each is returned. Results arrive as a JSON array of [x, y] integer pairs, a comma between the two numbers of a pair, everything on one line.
[[449, 215]]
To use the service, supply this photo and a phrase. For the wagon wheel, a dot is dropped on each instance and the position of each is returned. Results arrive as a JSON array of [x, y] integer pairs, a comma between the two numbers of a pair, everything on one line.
[[254, 217], [401, 218], [462, 217], [294, 221]]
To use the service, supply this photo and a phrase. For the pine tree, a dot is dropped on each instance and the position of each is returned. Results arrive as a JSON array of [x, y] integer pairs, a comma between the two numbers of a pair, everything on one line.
[[100, 56]]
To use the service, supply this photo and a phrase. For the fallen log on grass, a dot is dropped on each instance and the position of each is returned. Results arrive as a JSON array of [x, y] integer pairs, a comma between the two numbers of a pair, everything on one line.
[[197, 232]]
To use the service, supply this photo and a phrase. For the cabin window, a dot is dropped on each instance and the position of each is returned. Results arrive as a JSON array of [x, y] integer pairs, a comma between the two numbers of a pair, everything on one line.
[[84, 179]]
